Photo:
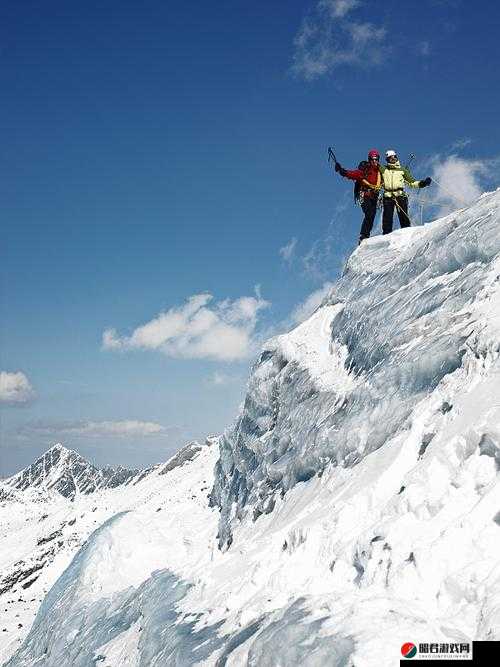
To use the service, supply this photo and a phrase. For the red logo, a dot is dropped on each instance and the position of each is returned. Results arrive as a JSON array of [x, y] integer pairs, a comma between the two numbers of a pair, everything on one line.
[[408, 650]]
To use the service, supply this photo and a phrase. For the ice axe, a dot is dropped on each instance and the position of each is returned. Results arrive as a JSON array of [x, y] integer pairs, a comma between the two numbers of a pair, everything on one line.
[[331, 155]]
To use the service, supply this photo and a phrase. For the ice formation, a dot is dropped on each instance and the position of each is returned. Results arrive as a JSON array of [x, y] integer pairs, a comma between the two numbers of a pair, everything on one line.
[[407, 310]]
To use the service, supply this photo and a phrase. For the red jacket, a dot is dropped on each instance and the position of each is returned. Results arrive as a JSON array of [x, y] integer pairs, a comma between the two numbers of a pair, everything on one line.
[[371, 176]]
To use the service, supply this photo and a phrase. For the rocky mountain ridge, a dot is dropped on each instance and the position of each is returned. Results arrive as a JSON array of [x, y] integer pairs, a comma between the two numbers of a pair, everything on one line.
[[64, 471]]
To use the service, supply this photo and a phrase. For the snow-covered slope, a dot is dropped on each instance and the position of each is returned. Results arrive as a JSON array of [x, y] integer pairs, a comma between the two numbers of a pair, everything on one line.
[[354, 505], [408, 312], [42, 527]]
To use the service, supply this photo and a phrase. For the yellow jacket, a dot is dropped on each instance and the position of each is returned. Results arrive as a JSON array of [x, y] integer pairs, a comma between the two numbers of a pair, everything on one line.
[[394, 179]]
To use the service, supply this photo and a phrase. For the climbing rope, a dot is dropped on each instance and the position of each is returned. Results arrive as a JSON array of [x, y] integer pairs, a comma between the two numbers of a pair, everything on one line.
[[402, 210]]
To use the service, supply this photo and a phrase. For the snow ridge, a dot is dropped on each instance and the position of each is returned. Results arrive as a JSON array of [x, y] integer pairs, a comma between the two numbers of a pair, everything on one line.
[[404, 316]]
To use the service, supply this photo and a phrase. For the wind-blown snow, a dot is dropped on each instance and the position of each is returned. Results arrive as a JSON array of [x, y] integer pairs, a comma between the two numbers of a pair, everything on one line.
[[356, 498]]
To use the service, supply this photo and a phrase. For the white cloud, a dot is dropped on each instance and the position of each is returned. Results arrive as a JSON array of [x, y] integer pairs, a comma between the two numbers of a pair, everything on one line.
[[327, 39], [287, 252], [15, 388], [109, 429], [364, 34], [220, 379], [460, 144], [424, 48], [339, 8], [219, 331], [128, 427], [305, 309], [457, 182]]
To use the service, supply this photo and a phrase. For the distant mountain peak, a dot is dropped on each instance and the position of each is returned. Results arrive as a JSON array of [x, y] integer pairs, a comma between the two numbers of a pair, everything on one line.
[[59, 447], [65, 471]]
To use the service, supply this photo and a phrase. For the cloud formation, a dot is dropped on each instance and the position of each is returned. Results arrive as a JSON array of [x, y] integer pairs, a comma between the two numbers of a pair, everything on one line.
[[424, 48], [457, 181], [220, 379], [15, 388], [287, 252], [460, 144], [329, 38], [108, 429], [339, 8], [200, 329]]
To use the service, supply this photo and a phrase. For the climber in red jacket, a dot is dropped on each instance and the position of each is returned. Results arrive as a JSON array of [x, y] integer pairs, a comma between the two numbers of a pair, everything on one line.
[[367, 188]]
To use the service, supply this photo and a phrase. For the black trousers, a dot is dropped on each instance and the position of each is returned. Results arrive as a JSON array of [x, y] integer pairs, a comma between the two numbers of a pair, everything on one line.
[[369, 206], [401, 205]]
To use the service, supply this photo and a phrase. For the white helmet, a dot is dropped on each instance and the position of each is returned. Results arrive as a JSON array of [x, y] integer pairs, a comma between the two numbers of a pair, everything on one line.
[[390, 153]]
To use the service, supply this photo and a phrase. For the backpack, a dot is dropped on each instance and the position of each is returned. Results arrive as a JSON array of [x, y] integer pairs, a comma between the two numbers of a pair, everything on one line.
[[363, 166]]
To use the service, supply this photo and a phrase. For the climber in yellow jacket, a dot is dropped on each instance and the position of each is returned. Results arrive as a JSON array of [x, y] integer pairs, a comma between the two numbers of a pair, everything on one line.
[[394, 179]]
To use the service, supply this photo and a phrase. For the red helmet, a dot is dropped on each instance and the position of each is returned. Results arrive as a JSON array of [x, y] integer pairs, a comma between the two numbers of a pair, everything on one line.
[[374, 154]]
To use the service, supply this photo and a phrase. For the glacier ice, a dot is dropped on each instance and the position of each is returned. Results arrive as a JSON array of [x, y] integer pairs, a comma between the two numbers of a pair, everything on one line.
[[343, 383]]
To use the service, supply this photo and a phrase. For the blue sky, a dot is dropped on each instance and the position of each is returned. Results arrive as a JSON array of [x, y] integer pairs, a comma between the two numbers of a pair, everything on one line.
[[159, 151]]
